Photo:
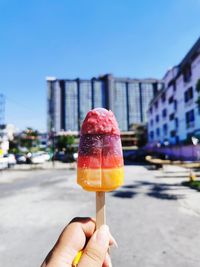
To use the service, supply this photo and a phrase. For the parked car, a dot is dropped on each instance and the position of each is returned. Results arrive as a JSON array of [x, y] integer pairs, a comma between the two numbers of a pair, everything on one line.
[[39, 157], [11, 160], [59, 156], [21, 159], [65, 157], [3, 163]]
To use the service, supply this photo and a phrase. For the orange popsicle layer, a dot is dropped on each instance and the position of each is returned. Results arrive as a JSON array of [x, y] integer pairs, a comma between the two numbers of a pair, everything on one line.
[[100, 179]]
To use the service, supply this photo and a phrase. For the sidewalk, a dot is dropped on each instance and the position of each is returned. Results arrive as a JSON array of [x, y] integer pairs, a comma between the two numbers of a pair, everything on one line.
[[21, 171], [45, 166]]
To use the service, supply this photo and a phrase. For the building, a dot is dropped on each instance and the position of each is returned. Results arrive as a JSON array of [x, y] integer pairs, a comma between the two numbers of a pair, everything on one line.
[[69, 100], [2, 109], [7, 132], [174, 113]]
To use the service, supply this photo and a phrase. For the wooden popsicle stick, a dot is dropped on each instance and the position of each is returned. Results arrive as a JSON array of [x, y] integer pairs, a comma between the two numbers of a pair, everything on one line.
[[100, 209]]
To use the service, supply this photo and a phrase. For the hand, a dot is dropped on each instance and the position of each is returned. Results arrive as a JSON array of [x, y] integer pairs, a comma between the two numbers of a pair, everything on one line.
[[79, 234]]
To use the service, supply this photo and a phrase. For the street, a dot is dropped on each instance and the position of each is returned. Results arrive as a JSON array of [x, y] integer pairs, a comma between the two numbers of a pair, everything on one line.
[[154, 219]]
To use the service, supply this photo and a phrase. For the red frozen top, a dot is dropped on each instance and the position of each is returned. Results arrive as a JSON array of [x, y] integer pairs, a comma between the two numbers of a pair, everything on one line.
[[100, 121]]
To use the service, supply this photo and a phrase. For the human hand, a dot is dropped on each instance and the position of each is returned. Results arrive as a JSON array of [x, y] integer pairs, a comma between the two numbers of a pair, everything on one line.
[[80, 234]]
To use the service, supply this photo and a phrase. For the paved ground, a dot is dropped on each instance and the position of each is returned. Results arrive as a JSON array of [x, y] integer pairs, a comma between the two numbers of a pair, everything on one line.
[[154, 219]]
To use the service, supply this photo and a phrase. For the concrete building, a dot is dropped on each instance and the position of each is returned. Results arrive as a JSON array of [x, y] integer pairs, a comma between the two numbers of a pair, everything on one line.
[[70, 100], [2, 110], [174, 115]]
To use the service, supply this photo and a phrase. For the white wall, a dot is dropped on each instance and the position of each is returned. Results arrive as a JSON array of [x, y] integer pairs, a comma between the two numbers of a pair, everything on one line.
[[182, 107]]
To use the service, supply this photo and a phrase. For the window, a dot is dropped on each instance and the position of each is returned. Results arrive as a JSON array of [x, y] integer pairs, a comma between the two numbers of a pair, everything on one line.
[[119, 102], [189, 118], [188, 95], [187, 73], [151, 122], [171, 116], [176, 122], [175, 105], [157, 118], [163, 97], [171, 99], [164, 113], [165, 129], [151, 135], [158, 132], [151, 110], [173, 133], [134, 103]]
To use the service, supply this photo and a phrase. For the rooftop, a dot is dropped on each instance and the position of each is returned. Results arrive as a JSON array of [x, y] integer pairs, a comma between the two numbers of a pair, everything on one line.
[[107, 76], [188, 59]]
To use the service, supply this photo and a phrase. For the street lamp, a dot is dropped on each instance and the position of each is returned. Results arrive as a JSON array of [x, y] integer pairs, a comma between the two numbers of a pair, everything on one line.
[[166, 143], [195, 142]]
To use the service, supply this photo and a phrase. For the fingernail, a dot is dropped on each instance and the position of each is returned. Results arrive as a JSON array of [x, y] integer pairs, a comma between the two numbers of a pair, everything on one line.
[[102, 235], [113, 241]]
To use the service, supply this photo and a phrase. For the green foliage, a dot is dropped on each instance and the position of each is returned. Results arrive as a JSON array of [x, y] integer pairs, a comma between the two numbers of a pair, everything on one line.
[[28, 139], [64, 142], [13, 147], [192, 184]]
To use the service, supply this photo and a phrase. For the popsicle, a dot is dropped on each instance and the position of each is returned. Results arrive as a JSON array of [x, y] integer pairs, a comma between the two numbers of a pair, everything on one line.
[[100, 159]]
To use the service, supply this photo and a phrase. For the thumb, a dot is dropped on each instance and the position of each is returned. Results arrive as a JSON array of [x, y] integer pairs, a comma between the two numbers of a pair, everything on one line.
[[95, 252]]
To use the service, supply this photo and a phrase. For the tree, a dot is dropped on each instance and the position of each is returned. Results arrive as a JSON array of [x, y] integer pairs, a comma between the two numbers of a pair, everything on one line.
[[64, 142], [13, 146], [29, 138]]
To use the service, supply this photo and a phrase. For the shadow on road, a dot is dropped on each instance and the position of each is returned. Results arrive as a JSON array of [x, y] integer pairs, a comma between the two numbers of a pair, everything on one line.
[[124, 194], [170, 176], [161, 191]]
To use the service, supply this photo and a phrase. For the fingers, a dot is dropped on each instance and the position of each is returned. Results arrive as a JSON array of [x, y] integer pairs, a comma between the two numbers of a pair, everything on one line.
[[107, 261], [71, 240], [74, 238], [95, 252]]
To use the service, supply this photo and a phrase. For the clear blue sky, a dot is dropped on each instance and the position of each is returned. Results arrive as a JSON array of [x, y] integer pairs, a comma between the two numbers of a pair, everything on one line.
[[85, 38]]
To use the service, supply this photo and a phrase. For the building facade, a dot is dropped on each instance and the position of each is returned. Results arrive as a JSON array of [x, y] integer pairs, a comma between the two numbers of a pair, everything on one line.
[[2, 109], [174, 114], [70, 100]]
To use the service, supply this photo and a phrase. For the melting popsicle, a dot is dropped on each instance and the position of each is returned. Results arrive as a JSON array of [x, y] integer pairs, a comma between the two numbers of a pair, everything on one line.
[[100, 159]]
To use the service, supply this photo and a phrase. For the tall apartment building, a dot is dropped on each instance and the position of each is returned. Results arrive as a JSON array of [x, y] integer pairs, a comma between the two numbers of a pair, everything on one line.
[[69, 100], [174, 115], [2, 109]]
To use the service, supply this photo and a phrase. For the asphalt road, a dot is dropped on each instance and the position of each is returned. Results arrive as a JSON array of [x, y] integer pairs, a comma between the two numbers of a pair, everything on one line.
[[152, 217]]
